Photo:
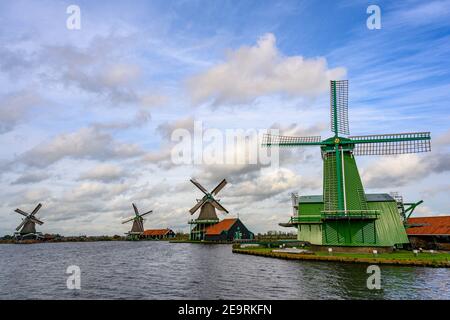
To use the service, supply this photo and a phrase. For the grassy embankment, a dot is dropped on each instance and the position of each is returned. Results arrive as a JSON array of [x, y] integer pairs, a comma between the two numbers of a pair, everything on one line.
[[395, 258]]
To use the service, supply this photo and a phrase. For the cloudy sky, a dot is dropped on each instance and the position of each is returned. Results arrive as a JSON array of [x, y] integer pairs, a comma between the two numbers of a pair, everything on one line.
[[87, 116]]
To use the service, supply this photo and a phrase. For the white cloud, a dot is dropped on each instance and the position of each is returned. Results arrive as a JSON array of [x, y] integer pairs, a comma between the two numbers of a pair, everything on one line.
[[167, 128], [14, 107], [163, 156], [86, 143], [394, 171], [31, 177], [425, 13], [149, 100], [402, 169], [120, 74], [100, 68], [270, 184], [94, 191], [443, 140], [250, 72], [33, 196], [141, 118], [423, 211], [103, 172]]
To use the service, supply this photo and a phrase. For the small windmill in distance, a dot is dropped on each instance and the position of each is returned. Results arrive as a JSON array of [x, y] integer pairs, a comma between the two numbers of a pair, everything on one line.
[[28, 225], [137, 229]]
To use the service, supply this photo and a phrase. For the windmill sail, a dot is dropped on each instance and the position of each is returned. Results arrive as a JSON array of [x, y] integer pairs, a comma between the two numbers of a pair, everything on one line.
[[21, 224], [218, 206], [36, 209], [197, 206], [339, 106], [219, 187], [386, 144], [288, 141]]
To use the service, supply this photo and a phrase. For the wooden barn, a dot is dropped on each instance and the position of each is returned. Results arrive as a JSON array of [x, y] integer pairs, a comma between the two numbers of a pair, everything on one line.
[[429, 232], [228, 230], [158, 234]]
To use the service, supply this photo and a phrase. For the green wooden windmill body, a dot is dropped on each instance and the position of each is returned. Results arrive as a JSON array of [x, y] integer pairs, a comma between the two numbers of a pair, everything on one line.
[[345, 215]]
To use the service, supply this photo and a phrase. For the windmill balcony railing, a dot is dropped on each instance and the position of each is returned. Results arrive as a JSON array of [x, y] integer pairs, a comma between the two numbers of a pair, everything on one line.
[[306, 219], [350, 214], [336, 215]]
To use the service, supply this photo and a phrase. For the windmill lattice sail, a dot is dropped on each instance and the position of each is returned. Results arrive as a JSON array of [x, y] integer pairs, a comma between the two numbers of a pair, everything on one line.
[[339, 106], [286, 141], [386, 144]]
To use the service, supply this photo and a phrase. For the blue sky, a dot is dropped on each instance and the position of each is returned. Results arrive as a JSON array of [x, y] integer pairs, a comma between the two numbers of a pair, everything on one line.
[[85, 115]]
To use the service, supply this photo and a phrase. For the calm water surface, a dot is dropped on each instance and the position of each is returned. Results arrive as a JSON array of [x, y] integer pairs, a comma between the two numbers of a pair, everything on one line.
[[160, 270]]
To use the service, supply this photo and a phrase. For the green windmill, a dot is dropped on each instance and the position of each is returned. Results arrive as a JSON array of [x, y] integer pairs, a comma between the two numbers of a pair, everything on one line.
[[345, 215]]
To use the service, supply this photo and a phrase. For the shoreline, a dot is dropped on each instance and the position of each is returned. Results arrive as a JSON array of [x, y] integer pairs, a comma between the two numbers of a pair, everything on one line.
[[416, 262], [200, 242]]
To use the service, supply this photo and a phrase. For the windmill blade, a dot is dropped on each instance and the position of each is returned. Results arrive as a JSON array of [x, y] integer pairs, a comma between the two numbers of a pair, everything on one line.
[[21, 212], [21, 224], [146, 213], [36, 209], [218, 206], [339, 106], [128, 220], [219, 187], [35, 220], [136, 212], [198, 185], [289, 141], [387, 144], [197, 206]]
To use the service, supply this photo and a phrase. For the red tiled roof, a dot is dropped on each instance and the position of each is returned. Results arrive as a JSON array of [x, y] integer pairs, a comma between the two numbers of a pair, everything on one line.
[[431, 226], [223, 225], [156, 232]]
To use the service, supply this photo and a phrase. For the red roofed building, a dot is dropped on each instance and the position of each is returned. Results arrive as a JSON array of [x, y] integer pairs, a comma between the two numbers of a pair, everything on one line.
[[228, 230], [429, 232], [158, 234]]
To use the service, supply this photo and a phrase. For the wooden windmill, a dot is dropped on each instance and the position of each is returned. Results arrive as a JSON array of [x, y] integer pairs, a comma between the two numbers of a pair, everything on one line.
[[207, 205], [137, 229], [345, 215], [27, 228]]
